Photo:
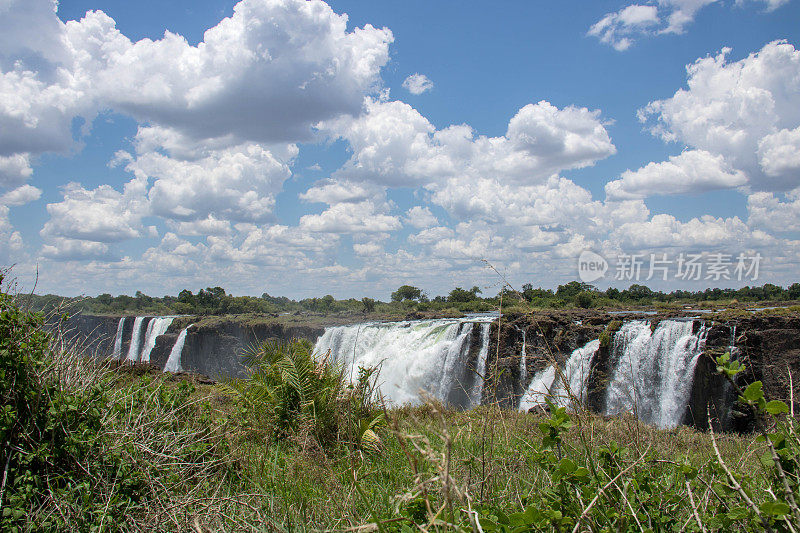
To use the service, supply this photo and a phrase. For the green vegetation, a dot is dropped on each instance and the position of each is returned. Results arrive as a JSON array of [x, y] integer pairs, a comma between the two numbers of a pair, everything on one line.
[[296, 447], [87, 449], [215, 301]]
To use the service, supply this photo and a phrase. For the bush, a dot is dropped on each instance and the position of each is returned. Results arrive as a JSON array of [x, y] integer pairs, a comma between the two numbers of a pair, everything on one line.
[[54, 449], [293, 395]]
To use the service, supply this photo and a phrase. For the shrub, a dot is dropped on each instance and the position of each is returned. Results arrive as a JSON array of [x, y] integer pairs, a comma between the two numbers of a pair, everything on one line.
[[54, 449], [293, 395]]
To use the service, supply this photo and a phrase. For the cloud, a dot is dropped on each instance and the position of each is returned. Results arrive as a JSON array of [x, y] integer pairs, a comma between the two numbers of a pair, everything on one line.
[[417, 84], [20, 196], [195, 181], [206, 226], [693, 171], [14, 170], [620, 29], [265, 74], [617, 29], [431, 235], [361, 217], [333, 192], [394, 145], [62, 249], [101, 215], [770, 213], [779, 155], [420, 217], [747, 111], [705, 232], [12, 239]]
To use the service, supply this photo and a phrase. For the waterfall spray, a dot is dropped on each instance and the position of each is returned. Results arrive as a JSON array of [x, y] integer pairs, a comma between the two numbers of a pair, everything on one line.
[[429, 356]]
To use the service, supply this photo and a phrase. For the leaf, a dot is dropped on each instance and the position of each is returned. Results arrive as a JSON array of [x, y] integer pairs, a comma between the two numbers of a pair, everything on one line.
[[775, 508], [776, 407], [566, 466], [753, 392], [738, 513]]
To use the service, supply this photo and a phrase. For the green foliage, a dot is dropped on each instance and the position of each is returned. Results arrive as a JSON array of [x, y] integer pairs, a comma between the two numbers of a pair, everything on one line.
[[779, 511], [406, 293], [292, 394], [369, 304], [458, 295], [584, 299], [54, 448], [607, 335]]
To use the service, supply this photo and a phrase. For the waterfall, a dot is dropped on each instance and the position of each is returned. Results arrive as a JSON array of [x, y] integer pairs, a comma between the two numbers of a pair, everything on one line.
[[653, 371], [476, 395], [157, 327], [523, 368], [133, 349], [174, 360], [413, 356], [547, 384], [118, 340]]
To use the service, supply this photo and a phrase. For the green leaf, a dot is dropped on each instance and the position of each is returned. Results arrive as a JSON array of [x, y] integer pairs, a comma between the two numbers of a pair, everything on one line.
[[753, 392], [566, 466], [776, 407], [775, 508], [738, 513]]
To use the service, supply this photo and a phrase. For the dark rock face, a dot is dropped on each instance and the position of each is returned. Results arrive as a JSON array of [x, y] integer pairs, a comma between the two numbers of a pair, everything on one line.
[[213, 350], [468, 377], [712, 396], [770, 347], [94, 334], [216, 350], [548, 336]]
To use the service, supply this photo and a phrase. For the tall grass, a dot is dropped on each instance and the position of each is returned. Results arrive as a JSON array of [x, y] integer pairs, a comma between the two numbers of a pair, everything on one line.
[[296, 447]]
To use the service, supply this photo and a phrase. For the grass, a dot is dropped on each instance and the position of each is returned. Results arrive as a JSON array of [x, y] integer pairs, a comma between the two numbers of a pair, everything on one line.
[[127, 449]]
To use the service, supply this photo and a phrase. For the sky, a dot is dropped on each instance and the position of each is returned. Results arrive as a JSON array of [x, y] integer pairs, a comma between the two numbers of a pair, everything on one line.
[[304, 148]]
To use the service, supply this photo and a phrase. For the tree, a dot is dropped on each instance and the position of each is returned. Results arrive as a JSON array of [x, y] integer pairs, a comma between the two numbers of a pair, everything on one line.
[[406, 292], [584, 299], [572, 288], [369, 304], [794, 291], [460, 295]]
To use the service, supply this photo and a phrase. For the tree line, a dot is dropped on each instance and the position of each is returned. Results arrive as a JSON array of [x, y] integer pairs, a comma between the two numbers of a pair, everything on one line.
[[216, 301]]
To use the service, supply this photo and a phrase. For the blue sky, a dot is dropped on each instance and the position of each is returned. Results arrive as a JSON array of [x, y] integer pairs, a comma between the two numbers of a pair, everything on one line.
[[298, 151]]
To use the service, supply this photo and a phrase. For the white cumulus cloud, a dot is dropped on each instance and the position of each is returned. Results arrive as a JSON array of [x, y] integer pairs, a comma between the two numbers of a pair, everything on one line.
[[747, 111], [417, 84], [693, 171]]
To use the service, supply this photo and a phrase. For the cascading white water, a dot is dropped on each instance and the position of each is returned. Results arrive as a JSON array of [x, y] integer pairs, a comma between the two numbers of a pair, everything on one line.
[[174, 359], [117, 353], [157, 327], [546, 383], [653, 371], [133, 349], [476, 395], [523, 365], [412, 356]]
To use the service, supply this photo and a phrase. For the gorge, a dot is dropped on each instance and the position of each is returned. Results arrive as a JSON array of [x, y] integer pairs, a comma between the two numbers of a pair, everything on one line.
[[659, 367]]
